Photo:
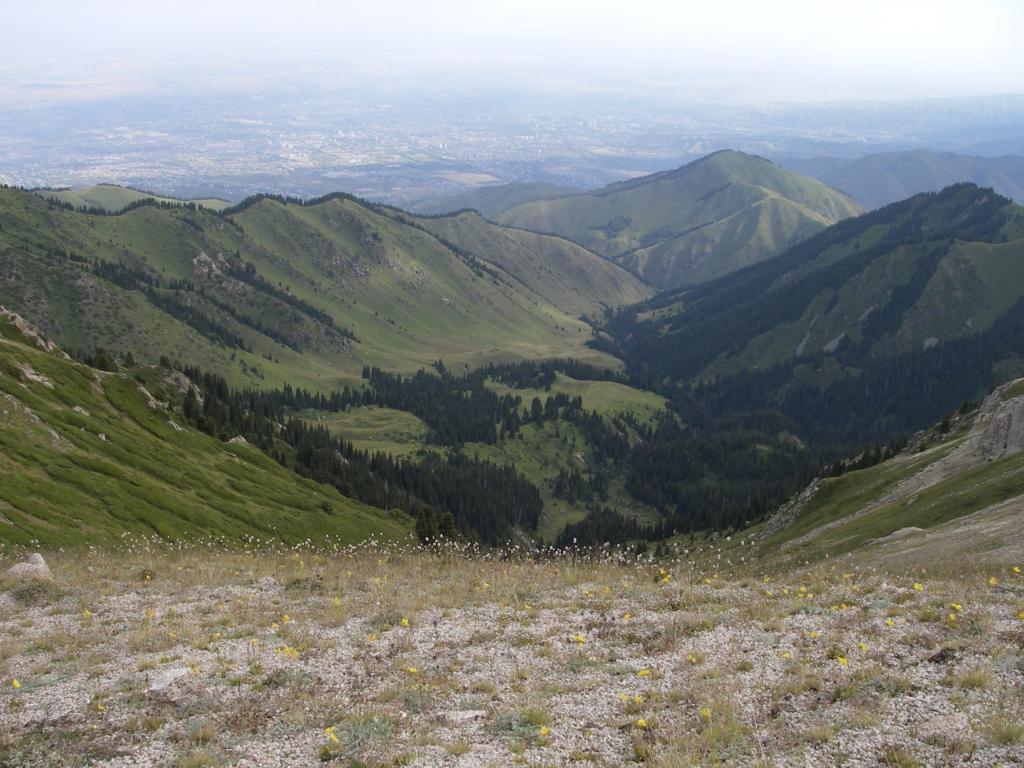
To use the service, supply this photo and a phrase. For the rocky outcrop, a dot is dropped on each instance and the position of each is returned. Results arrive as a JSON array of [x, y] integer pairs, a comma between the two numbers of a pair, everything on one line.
[[33, 568]]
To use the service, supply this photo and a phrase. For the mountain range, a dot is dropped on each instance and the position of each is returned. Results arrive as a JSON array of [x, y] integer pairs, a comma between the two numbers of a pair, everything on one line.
[[376, 351], [877, 180], [692, 224]]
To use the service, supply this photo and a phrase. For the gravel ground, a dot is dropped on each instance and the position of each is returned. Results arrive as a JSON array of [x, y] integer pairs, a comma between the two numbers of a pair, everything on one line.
[[151, 657]]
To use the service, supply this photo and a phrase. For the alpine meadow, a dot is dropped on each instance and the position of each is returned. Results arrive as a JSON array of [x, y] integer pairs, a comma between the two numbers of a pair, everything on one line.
[[472, 386]]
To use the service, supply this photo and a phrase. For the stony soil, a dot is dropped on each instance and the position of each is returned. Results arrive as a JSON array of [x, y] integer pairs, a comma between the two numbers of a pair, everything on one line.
[[152, 657]]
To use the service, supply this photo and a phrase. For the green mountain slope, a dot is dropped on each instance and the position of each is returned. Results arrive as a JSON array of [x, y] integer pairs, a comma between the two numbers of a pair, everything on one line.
[[113, 198], [568, 276], [493, 199], [270, 292], [861, 315], [958, 486], [86, 456], [878, 180], [705, 219]]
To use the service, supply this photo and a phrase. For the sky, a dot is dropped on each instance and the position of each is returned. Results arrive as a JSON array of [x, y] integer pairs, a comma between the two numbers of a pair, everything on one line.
[[748, 52]]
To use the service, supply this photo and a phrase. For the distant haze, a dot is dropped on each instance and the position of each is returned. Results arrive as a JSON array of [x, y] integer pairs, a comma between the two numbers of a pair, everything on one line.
[[725, 51]]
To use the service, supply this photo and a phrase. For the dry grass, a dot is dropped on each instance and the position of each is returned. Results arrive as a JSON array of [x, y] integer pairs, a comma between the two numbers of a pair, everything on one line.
[[202, 656]]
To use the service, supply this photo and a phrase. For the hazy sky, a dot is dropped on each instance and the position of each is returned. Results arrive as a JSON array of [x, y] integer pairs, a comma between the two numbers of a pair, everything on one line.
[[748, 51]]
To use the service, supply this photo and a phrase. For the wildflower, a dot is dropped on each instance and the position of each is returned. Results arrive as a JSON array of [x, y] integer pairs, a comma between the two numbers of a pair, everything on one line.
[[627, 616], [644, 672], [86, 614], [803, 590], [1016, 569], [666, 578], [15, 684], [692, 658], [412, 670], [815, 634], [579, 640], [150, 614], [952, 618], [544, 731], [641, 723], [329, 730], [992, 581], [890, 622], [638, 699], [286, 619], [405, 622], [787, 655], [705, 712], [623, 697], [336, 601], [372, 638], [1021, 615], [863, 647], [956, 607], [918, 586], [842, 661], [274, 625]]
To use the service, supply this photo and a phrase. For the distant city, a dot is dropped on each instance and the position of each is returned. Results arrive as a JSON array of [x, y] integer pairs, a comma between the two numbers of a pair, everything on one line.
[[408, 147]]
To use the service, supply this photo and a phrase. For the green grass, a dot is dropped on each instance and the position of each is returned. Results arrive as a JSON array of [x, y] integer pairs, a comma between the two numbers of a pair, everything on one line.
[[113, 198], [87, 461], [608, 398], [567, 275], [372, 428]]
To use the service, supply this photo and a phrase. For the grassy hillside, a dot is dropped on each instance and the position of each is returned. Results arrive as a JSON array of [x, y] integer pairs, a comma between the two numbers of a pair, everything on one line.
[[934, 269], [273, 292], [700, 221], [877, 180], [493, 199], [113, 198], [86, 457], [965, 475], [568, 276]]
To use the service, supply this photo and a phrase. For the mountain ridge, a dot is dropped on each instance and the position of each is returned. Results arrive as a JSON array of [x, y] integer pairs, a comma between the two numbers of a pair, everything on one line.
[[658, 226]]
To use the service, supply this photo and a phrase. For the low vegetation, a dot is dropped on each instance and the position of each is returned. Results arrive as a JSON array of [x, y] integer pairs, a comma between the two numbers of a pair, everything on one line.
[[369, 656]]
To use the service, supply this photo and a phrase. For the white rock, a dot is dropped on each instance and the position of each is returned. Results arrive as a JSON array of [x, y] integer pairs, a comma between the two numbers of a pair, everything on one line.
[[457, 717], [33, 568]]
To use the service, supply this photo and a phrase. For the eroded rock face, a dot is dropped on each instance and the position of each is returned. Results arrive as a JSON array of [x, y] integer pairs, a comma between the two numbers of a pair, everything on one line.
[[33, 568], [1002, 434]]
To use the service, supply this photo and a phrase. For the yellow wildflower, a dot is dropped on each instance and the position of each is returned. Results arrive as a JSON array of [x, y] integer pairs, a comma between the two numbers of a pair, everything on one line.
[[842, 661], [641, 723], [787, 655], [918, 586], [15, 684], [1021, 615], [644, 672], [336, 601], [1016, 569], [692, 658], [329, 730], [405, 622], [956, 607], [890, 622], [412, 670], [544, 731], [623, 697], [579, 640], [705, 712], [372, 638], [992, 581], [86, 614], [627, 616], [863, 647]]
